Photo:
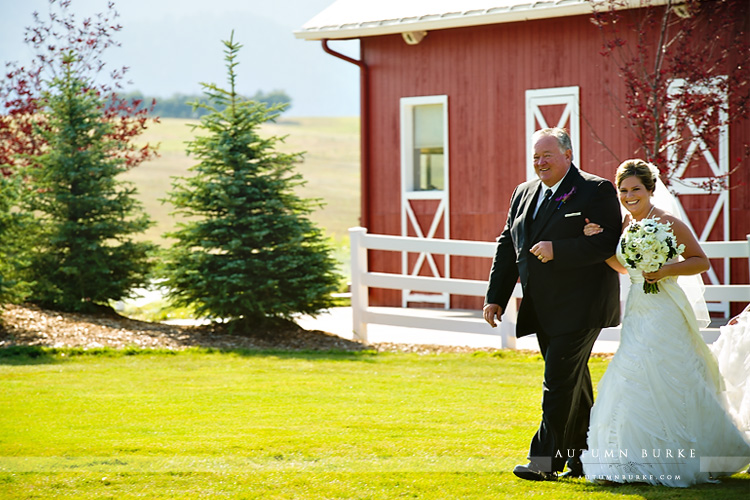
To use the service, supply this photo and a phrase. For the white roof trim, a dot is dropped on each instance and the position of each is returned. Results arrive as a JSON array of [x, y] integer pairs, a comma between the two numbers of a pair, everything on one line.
[[346, 19]]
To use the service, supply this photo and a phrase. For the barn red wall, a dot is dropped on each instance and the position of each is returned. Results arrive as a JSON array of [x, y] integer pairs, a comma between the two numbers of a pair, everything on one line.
[[485, 72]]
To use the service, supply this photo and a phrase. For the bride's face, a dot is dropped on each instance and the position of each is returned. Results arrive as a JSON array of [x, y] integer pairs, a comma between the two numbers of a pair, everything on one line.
[[634, 196]]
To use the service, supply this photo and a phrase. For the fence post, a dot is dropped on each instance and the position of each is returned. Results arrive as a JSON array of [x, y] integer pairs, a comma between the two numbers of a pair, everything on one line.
[[360, 299]]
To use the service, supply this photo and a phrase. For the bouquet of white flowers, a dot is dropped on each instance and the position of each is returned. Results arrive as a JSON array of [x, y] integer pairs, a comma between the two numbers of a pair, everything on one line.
[[647, 245]]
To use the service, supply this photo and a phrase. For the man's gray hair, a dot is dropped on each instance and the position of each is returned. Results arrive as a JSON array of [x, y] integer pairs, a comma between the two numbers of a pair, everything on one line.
[[558, 133]]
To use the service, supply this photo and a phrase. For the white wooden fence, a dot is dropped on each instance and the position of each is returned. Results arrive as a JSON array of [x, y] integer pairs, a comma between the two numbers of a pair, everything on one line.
[[467, 321]]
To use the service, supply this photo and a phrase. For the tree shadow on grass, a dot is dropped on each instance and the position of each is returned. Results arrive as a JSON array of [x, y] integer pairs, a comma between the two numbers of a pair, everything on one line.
[[27, 355], [22, 355]]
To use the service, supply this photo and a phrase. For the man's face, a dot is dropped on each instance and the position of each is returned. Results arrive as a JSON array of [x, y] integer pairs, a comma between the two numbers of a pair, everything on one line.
[[550, 163]]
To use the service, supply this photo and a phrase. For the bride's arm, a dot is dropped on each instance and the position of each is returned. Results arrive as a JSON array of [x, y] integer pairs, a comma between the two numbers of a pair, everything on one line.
[[615, 264], [695, 261], [592, 228]]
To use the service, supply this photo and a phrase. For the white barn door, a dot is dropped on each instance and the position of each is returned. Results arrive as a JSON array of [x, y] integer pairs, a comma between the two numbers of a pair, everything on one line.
[[704, 164], [555, 107]]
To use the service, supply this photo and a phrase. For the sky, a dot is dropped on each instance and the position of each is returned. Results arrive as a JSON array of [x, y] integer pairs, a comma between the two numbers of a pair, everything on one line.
[[171, 46]]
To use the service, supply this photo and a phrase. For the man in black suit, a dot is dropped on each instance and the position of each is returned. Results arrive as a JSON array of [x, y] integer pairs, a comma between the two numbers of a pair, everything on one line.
[[569, 292]]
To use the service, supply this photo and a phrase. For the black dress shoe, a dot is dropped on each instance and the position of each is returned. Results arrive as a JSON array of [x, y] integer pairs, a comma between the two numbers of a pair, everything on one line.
[[571, 474], [575, 469], [531, 472]]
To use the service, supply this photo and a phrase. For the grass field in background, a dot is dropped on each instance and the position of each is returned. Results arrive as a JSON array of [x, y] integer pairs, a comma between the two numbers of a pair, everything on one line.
[[330, 167], [202, 424]]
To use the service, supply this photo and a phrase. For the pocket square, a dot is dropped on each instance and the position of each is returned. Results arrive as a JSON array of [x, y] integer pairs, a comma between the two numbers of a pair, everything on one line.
[[573, 214]]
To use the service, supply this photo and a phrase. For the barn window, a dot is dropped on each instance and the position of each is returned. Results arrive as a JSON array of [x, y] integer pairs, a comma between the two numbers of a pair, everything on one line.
[[425, 188], [424, 138], [428, 148]]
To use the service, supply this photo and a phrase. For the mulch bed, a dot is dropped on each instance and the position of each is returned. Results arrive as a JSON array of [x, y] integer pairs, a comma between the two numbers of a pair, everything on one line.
[[29, 325]]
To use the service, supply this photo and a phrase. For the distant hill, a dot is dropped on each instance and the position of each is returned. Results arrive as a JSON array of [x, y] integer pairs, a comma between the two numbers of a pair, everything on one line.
[[330, 168], [181, 105]]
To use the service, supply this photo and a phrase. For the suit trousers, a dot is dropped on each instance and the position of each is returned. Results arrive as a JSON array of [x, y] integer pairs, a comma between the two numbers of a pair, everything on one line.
[[568, 396]]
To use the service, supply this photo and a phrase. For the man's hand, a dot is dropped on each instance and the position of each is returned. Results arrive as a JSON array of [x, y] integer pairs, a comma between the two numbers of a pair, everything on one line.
[[492, 311], [543, 251]]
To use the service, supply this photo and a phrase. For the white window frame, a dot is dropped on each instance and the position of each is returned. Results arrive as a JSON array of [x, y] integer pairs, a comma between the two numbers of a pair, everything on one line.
[[408, 194]]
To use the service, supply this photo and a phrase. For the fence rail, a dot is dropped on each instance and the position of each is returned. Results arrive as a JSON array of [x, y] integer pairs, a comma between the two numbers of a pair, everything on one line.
[[464, 321]]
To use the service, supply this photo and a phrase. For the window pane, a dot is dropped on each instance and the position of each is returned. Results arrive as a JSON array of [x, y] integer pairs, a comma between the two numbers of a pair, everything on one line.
[[428, 148], [428, 169], [428, 126]]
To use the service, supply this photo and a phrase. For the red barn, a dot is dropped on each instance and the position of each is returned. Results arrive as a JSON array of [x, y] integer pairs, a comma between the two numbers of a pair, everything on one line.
[[451, 92]]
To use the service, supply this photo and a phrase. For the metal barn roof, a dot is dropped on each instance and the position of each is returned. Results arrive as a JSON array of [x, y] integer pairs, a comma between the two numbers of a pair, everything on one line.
[[361, 18]]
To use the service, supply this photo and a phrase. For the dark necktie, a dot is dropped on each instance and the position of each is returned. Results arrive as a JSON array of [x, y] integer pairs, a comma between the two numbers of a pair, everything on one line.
[[545, 202]]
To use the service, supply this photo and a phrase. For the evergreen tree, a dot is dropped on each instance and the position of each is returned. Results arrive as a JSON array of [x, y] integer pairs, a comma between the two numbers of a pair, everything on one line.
[[83, 254], [248, 250], [13, 234]]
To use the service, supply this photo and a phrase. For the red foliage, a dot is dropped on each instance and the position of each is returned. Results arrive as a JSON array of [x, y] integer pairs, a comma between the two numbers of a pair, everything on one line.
[[22, 88], [704, 44]]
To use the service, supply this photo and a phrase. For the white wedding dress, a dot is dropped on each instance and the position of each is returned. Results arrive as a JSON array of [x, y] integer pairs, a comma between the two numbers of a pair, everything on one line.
[[664, 414]]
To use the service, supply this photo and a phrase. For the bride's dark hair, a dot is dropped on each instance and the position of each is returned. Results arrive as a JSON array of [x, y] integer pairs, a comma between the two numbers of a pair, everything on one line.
[[645, 172]]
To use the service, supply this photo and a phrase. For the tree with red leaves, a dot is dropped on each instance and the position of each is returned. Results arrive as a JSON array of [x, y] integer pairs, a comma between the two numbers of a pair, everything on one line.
[[65, 137], [685, 65], [21, 112]]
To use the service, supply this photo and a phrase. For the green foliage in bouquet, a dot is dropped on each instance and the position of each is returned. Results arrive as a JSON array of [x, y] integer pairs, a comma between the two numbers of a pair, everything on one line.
[[82, 254], [248, 250]]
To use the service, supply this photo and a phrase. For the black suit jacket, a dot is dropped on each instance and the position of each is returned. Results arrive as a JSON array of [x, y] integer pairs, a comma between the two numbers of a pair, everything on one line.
[[576, 290]]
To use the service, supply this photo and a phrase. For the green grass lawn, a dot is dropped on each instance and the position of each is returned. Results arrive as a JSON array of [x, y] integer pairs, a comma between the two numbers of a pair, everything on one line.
[[203, 424]]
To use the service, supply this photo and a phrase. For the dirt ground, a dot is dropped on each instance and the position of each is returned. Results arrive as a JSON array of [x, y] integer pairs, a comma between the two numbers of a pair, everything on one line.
[[28, 325]]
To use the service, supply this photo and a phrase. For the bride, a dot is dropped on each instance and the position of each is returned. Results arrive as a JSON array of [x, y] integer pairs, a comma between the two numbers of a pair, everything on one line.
[[663, 415]]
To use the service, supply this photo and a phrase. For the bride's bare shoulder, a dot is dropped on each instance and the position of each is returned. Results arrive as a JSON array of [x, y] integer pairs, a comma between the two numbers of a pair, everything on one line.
[[680, 229], [664, 216]]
